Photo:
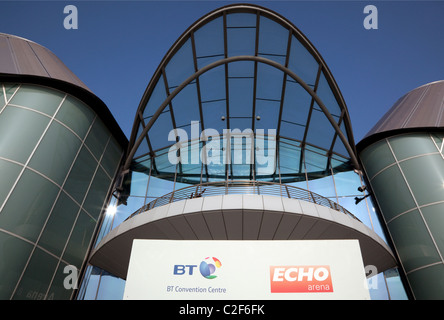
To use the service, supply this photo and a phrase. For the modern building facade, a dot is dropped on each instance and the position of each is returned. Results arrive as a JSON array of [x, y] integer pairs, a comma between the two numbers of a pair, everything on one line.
[[60, 149], [242, 133], [404, 163]]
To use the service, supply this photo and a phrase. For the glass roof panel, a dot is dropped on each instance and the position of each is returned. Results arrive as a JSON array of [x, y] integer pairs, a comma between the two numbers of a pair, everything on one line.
[[339, 146], [159, 132], [240, 97], [292, 130], [302, 62], [143, 148], [295, 111], [157, 97], [181, 66], [186, 108], [241, 86], [212, 85], [326, 95], [241, 41], [273, 40], [241, 123], [320, 132], [209, 40], [213, 113], [269, 82], [269, 115], [241, 20], [241, 69]]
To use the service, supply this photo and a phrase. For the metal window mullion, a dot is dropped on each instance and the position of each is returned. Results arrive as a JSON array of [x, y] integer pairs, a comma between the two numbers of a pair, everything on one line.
[[167, 91], [307, 125], [333, 178], [335, 136], [4, 98], [148, 141], [253, 111], [439, 148], [199, 100], [284, 82], [227, 95], [12, 96], [4, 94], [148, 183], [173, 119]]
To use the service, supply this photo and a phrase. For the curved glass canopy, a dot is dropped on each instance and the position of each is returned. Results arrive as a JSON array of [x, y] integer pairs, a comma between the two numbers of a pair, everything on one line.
[[242, 94]]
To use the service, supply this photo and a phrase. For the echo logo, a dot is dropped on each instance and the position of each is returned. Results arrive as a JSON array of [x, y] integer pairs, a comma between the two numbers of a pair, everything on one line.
[[285, 279]]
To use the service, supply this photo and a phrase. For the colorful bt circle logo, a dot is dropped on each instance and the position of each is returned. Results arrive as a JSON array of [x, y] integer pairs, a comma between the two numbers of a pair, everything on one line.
[[209, 266]]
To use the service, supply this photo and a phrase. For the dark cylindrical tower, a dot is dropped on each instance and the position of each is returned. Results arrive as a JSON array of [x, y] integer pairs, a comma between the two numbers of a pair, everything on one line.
[[60, 149], [404, 164]]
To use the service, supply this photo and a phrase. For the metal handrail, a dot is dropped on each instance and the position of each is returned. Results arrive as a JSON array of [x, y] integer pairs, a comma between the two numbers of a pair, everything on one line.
[[241, 187]]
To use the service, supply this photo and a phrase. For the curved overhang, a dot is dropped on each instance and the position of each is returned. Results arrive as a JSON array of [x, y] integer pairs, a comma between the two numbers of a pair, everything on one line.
[[421, 109], [24, 61], [238, 217], [161, 92]]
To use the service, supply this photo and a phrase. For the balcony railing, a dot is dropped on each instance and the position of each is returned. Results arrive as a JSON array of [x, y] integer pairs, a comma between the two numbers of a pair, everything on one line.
[[242, 187]]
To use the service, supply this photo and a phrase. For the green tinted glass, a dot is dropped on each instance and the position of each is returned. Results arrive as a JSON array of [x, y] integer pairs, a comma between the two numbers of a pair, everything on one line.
[[37, 277], [28, 206], [20, 130], [56, 153], [38, 98]]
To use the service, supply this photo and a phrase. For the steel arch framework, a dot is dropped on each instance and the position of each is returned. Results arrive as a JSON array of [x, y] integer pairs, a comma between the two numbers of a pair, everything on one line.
[[347, 139], [201, 71]]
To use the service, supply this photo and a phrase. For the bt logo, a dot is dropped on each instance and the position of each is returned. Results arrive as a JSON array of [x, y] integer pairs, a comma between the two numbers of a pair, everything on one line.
[[208, 268]]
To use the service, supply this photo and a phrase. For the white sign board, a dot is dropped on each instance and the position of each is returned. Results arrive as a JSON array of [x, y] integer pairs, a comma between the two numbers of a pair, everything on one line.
[[246, 270]]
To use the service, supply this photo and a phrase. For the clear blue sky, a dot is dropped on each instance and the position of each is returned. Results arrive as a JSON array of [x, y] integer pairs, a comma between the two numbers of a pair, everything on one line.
[[118, 45]]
